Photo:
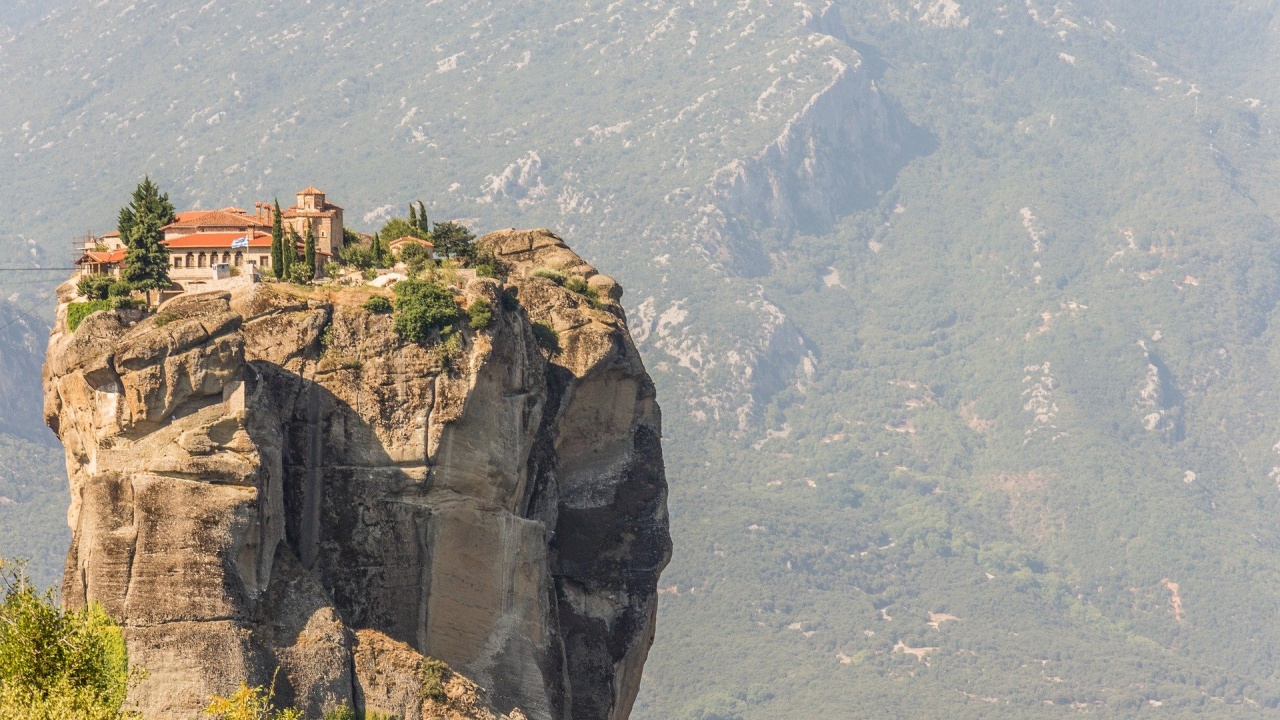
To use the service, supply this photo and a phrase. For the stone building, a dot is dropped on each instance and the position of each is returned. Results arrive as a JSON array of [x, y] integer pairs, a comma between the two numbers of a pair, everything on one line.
[[396, 245], [226, 220], [194, 257], [324, 217], [209, 245], [101, 262]]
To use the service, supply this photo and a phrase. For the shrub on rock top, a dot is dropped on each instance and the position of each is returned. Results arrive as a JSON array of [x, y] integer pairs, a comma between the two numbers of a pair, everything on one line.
[[422, 307], [378, 304]]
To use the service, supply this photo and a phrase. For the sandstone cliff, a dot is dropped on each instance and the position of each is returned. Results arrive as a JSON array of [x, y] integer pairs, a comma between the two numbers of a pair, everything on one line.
[[269, 478]]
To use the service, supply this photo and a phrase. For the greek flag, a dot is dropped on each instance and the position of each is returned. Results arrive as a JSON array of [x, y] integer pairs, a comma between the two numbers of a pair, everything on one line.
[[240, 242]]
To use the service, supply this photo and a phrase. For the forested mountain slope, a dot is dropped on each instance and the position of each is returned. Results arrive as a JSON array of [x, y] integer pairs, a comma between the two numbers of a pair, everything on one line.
[[963, 316], [33, 493]]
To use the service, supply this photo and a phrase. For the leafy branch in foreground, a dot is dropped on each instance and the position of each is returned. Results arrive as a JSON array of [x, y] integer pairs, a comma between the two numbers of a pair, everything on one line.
[[54, 664]]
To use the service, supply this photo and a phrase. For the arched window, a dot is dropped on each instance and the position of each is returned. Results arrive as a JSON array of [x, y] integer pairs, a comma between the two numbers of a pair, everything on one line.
[[191, 260], [239, 259], [226, 258], [200, 260]]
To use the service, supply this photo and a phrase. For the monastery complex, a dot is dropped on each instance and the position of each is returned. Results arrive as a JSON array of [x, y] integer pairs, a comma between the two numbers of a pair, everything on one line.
[[204, 245]]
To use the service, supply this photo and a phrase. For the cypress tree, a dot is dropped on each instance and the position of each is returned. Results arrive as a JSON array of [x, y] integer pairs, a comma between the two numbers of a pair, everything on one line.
[[290, 254], [423, 225], [277, 243], [310, 253], [141, 225], [379, 252], [413, 217]]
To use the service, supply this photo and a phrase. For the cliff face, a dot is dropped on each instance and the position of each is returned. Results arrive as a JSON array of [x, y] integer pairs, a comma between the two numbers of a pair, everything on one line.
[[269, 478]]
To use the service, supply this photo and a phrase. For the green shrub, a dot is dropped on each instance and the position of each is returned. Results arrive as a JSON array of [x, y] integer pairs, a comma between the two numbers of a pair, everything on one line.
[[357, 256], [480, 314], [249, 703], [422, 307], [300, 274], [486, 263], [77, 312], [415, 257], [119, 290], [579, 285], [449, 351], [378, 304], [342, 712], [554, 276], [53, 664], [435, 673], [548, 339], [371, 274], [95, 287], [575, 284], [331, 269], [126, 303]]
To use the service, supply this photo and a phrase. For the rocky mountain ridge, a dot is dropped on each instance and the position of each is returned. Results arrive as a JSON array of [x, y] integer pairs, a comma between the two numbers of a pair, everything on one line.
[[270, 479]]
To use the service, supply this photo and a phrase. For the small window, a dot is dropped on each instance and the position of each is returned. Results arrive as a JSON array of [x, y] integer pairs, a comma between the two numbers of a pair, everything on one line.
[[264, 260]]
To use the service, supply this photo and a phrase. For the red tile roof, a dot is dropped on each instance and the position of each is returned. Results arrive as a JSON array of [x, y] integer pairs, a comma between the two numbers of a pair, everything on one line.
[[218, 241], [115, 256], [310, 191], [409, 238], [215, 218]]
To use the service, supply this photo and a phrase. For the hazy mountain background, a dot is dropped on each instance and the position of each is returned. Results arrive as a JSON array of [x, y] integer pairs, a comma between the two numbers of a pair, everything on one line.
[[963, 316]]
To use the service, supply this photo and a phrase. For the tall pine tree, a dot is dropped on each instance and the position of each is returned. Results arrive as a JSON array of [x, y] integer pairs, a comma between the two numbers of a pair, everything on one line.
[[413, 217], [277, 242], [423, 225], [310, 252], [453, 240], [141, 225]]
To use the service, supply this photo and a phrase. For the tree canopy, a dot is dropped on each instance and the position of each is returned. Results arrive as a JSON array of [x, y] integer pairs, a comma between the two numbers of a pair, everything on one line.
[[452, 239], [53, 664], [397, 228], [421, 307], [141, 225]]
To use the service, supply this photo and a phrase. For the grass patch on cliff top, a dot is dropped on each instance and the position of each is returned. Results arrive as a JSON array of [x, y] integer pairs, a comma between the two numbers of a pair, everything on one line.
[[78, 311]]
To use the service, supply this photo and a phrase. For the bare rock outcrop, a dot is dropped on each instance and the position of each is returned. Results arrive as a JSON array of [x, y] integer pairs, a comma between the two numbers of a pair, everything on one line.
[[269, 480]]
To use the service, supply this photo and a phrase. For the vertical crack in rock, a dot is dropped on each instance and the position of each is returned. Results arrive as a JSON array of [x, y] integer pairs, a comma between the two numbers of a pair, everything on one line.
[[250, 500]]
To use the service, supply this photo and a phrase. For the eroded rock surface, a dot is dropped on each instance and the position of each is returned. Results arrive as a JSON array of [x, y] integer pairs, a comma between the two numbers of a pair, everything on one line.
[[270, 479]]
